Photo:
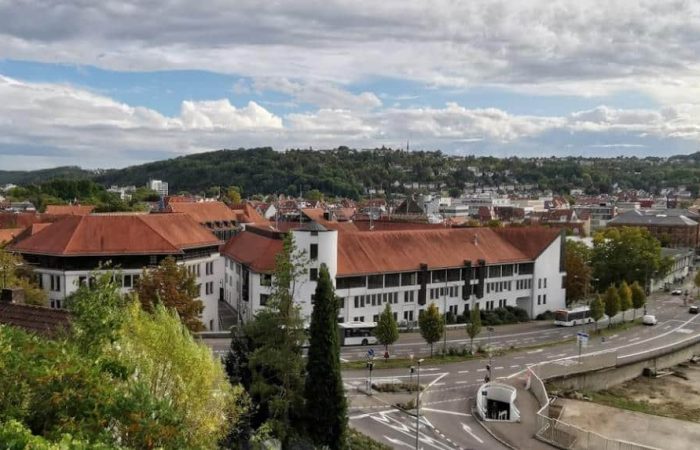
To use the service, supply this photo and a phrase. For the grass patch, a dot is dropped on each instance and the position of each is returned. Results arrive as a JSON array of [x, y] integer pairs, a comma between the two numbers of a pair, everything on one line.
[[460, 356], [359, 441], [396, 387]]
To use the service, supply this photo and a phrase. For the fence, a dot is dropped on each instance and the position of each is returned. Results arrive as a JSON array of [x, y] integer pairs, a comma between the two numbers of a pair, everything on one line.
[[564, 435]]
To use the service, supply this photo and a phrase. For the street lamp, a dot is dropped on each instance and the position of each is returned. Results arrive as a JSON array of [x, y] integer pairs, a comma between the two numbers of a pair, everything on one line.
[[418, 402], [370, 366], [490, 330]]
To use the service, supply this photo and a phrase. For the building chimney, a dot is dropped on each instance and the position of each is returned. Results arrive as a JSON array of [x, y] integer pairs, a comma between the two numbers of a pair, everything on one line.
[[12, 295]]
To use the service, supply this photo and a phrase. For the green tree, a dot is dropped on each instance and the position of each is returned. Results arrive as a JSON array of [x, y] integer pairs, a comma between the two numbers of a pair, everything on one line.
[[578, 271], [324, 385], [173, 286], [597, 310], [625, 294], [387, 330], [696, 280], [98, 314], [233, 195], [639, 298], [431, 325], [474, 325], [276, 366], [612, 303], [626, 253], [163, 353], [314, 195]]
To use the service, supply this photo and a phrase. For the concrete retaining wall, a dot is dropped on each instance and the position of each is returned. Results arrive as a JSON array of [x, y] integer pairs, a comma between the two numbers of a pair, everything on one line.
[[628, 368]]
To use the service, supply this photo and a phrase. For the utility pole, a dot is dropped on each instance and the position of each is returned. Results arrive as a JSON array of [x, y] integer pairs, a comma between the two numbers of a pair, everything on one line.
[[418, 403], [490, 330], [444, 327]]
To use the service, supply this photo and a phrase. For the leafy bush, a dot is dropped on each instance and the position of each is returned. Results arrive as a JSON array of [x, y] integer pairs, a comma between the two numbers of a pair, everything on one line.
[[503, 315], [547, 315], [358, 441]]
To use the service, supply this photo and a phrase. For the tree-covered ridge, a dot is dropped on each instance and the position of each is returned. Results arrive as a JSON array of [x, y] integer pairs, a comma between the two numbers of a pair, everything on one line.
[[348, 172]]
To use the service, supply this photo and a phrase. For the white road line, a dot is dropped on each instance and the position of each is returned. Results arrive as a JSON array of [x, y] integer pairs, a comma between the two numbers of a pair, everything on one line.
[[439, 384], [462, 382], [535, 351], [498, 368], [454, 413], [466, 428], [635, 339], [515, 366], [463, 371], [481, 370]]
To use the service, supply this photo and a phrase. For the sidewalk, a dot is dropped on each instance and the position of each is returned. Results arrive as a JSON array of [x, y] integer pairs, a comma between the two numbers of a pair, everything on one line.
[[519, 435]]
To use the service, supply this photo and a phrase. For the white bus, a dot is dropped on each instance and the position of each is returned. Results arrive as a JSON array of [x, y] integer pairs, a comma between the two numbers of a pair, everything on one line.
[[357, 333], [571, 317]]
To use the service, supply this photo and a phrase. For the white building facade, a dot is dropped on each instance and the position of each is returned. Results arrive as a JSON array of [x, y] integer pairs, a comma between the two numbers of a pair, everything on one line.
[[409, 281]]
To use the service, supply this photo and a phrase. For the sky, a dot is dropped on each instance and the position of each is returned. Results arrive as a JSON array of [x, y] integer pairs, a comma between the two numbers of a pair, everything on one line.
[[115, 83]]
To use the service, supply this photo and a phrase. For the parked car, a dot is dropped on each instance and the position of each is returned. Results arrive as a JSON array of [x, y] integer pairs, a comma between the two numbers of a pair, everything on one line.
[[693, 309], [649, 319], [677, 292]]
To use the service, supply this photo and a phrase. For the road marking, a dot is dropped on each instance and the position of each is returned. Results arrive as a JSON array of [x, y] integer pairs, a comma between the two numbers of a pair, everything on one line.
[[466, 428], [462, 382], [498, 368], [438, 384], [398, 442], [518, 357], [481, 370], [684, 330], [454, 413], [343, 360], [560, 355], [430, 369], [613, 336], [515, 366], [535, 351], [463, 371], [635, 339], [362, 416]]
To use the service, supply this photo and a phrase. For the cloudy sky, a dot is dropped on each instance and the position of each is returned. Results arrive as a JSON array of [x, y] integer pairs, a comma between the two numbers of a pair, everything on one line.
[[111, 83]]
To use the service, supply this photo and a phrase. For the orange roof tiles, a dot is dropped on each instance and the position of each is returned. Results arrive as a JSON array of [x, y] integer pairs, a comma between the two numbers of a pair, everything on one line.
[[204, 212], [69, 210], [118, 235], [37, 319], [532, 241], [397, 251], [7, 234], [254, 250]]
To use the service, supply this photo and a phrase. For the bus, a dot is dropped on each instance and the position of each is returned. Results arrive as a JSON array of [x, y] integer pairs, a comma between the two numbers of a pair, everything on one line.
[[571, 317], [357, 333]]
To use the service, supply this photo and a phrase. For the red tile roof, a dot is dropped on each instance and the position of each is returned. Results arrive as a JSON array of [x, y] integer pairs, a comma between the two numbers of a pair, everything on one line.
[[532, 241], [23, 220], [397, 251], [7, 234], [204, 212], [254, 250], [37, 319], [69, 210], [118, 235]]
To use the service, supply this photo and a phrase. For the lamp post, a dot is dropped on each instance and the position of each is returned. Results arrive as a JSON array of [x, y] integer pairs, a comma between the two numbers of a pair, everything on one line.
[[490, 330], [444, 328], [370, 366], [418, 402]]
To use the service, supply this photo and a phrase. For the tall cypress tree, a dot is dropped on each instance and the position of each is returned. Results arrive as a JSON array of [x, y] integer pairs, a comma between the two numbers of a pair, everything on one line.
[[326, 407]]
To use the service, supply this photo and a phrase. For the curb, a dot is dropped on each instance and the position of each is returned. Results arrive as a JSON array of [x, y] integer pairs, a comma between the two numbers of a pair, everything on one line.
[[493, 435]]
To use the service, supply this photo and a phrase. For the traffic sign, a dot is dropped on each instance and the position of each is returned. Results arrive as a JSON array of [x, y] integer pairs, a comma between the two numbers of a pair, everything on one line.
[[582, 339], [370, 353]]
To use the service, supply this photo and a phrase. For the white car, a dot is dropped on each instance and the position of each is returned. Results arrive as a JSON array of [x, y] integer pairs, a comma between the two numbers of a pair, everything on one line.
[[649, 319], [677, 292]]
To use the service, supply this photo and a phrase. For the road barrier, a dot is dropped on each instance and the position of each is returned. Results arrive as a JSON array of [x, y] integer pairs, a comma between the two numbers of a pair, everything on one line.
[[564, 435]]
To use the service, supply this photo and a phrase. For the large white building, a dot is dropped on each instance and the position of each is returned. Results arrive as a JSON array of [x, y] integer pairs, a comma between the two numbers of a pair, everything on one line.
[[454, 268], [65, 253], [161, 187]]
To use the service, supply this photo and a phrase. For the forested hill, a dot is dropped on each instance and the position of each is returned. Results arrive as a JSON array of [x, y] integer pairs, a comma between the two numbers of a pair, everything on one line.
[[23, 177], [347, 172]]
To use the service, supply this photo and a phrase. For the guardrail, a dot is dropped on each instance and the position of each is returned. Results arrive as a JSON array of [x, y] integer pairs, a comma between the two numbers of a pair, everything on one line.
[[564, 435]]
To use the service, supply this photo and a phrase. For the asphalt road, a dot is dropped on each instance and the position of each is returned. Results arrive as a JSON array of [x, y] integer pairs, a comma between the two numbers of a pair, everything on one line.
[[448, 422]]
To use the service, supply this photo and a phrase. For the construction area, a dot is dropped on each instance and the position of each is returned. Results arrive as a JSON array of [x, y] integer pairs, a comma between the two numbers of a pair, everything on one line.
[[660, 411]]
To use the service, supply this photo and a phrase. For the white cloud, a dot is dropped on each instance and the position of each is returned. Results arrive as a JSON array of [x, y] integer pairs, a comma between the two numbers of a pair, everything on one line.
[[580, 48], [321, 94], [45, 124]]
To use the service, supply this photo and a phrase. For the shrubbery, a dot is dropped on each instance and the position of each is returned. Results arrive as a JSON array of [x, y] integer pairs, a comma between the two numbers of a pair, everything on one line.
[[547, 315], [504, 315]]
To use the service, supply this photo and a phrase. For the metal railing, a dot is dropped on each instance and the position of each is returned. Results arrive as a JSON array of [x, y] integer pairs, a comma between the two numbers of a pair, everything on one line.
[[568, 436]]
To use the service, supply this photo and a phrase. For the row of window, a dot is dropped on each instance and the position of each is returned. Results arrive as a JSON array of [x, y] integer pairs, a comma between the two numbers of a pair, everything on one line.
[[523, 284], [542, 299], [435, 276], [498, 286], [453, 309], [540, 284], [451, 291]]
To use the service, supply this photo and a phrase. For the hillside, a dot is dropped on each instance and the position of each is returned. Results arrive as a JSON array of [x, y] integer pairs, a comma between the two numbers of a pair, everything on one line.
[[37, 176], [347, 172]]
